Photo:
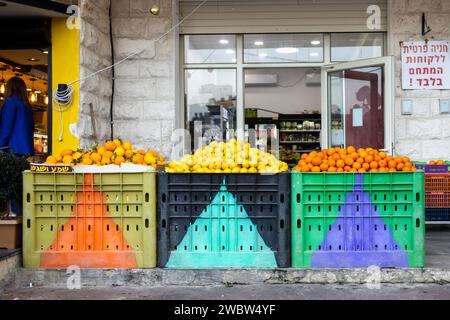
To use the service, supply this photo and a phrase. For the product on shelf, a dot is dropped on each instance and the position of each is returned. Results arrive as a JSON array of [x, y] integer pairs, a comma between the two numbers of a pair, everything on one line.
[[231, 157], [113, 152], [351, 159]]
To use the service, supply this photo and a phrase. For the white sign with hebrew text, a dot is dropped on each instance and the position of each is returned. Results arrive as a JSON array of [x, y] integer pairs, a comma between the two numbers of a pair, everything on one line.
[[425, 65]]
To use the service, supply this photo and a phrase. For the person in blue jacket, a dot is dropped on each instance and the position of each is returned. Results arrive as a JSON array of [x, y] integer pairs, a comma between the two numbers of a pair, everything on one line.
[[16, 120]]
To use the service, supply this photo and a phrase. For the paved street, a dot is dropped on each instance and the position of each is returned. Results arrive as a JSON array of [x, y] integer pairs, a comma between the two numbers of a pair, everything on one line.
[[254, 292]]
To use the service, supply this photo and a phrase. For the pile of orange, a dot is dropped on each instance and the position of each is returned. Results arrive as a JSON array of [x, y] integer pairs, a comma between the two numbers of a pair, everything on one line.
[[436, 162], [112, 152], [351, 159]]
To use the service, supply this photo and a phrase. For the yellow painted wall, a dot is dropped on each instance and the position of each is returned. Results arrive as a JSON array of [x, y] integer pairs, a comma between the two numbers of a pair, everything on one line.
[[65, 69]]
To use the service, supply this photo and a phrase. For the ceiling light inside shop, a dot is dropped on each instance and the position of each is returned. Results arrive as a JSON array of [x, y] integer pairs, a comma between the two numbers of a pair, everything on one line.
[[259, 43], [286, 50], [33, 59], [223, 41], [45, 51], [229, 51], [315, 42]]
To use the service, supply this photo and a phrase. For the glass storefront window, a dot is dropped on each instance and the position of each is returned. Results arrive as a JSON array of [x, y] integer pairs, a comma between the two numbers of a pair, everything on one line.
[[356, 46], [211, 103], [210, 48], [283, 48]]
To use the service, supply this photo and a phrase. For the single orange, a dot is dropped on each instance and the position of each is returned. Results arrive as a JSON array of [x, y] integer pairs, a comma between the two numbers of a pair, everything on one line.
[[316, 161], [332, 169], [339, 170], [366, 166], [324, 167], [340, 163], [374, 165], [357, 165], [315, 169]]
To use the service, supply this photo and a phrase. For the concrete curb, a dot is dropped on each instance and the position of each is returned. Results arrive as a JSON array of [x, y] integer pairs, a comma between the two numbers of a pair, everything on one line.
[[9, 266], [58, 278]]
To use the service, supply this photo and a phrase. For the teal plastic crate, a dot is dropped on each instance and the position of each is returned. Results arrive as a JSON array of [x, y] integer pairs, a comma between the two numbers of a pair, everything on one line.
[[358, 219]]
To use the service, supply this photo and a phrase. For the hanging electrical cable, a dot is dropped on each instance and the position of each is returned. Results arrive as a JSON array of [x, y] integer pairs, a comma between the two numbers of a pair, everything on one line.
[[113, 71]]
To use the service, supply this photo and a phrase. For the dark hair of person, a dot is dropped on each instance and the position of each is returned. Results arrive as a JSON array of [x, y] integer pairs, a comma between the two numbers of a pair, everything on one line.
[[17, 86]]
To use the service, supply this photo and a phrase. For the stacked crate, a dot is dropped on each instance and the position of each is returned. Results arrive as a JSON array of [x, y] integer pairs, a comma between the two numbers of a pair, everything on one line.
[[223, 220], [347, 220], [102, 220]]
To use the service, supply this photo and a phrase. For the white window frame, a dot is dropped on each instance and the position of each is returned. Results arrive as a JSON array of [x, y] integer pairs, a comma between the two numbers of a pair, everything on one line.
[[387, 62], [240, 67]]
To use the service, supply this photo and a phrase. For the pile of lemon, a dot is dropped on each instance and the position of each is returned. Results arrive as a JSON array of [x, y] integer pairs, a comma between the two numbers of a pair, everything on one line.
[[234, 156], [112, 152]]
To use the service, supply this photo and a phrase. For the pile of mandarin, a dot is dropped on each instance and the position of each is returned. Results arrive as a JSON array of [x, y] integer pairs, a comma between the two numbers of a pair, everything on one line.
[[112, 152], [351, 159]]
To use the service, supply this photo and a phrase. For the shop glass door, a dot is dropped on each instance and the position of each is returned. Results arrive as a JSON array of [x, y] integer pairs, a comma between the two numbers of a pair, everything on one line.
[[357, 104]]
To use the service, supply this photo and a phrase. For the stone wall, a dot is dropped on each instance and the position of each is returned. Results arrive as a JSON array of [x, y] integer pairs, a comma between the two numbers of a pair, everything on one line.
[[425, 134], [144, 100], [95, 54]]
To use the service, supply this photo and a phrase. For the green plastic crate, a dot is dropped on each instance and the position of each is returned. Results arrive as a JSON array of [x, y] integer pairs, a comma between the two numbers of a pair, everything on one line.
[[101, 220], [358, 219]]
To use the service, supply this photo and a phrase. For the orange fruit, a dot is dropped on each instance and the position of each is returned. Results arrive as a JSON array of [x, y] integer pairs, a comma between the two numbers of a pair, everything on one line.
[[360, 160], [405, 159], [373, 170], [374, 165], [413, 168], [366, 166], [118, 160], [117, 142], [101, 150], [392, 164], [51, 160], [108, 154], [440, 162], [353, 170], [66, 152], [86, 161], [432, 162], [349, 161], [332, 169], [138, 159], [339, 170], [383, 163], [335, 156], [110, 145], [106, 161], [351, 149], [354, 156], [324, 167], [315, 169], [95, 157], [331, 152], [362, 170], [67, 159], [405, 168], [382, 154], [316, 161], [127, 145], [120, 151], [340, 163], [305, 169], [400, 166], [357, 165], [347, 168], [368, 158], [304, 156], [331, 163]]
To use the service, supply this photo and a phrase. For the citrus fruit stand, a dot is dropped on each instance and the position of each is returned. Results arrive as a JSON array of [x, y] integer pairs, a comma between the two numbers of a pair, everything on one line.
[[437, 190], [79, 209], [227, 205]]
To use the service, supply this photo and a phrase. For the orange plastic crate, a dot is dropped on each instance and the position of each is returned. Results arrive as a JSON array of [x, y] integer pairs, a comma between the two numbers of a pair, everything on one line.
[[437, 183], [437, 200]]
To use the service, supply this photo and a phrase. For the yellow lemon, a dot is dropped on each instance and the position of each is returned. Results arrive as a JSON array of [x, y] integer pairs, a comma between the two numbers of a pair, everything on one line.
[[127, 145], [51, 160]]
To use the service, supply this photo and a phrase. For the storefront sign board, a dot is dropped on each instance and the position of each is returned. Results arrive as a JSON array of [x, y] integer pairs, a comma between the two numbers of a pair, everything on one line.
[[425, 65]]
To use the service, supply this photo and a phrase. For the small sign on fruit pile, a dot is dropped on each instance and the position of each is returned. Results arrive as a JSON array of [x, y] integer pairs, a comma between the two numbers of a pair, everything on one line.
[[351, 159], [113, 156]]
